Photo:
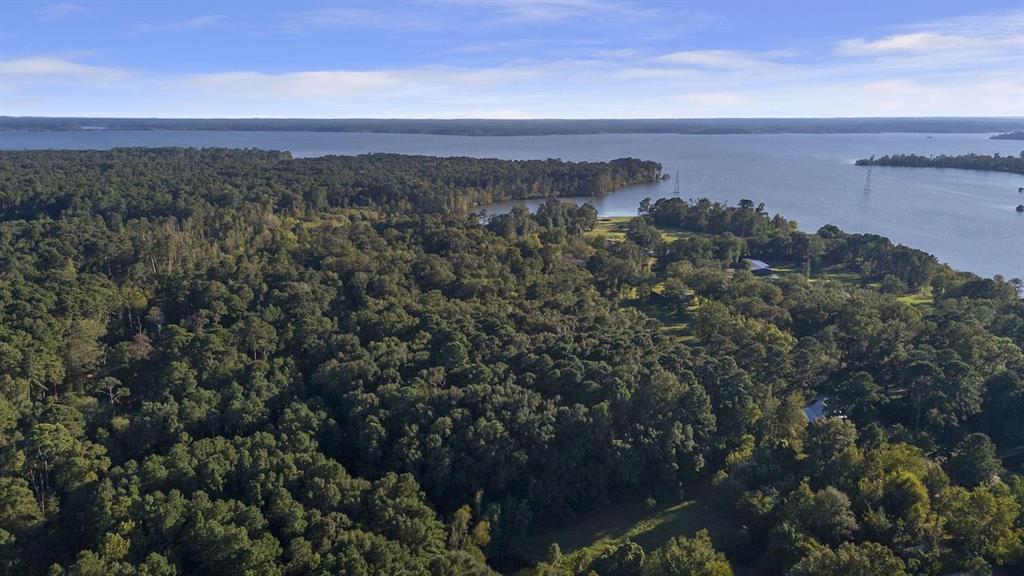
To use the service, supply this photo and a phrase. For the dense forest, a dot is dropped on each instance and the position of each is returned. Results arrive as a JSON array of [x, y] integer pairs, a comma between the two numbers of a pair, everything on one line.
[[492, 127], [1015, 135], [277, 182], [233, 362], [995, 162]]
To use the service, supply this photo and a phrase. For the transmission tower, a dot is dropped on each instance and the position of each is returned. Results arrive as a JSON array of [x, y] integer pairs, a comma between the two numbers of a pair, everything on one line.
[[867, 182]]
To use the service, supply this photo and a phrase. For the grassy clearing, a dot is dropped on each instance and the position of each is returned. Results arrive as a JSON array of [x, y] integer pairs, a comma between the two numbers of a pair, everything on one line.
[[674, 321], [837, 274], [614, 228], [649, 526], [922, 299]]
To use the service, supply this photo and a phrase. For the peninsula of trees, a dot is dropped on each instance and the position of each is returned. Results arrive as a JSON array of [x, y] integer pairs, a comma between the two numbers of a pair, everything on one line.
[[995, 162], [1015, 135], [234, 362]]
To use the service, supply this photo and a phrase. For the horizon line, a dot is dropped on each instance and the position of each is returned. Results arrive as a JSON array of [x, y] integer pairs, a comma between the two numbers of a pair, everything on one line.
[[484, 119]]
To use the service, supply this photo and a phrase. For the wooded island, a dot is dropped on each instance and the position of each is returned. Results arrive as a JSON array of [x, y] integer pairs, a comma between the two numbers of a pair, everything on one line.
[[995, 162]]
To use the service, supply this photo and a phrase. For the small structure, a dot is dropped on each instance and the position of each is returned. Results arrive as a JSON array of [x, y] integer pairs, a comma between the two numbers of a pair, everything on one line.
[[758, 268], [1020, 189], [1020, 207], [816, 409]]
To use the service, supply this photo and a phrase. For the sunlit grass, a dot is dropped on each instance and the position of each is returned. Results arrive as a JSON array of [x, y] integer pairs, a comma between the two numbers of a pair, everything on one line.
[[650, 526], [614, 228]]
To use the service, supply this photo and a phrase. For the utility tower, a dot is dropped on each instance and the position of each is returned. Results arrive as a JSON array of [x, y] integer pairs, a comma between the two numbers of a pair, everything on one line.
[[867, 182]]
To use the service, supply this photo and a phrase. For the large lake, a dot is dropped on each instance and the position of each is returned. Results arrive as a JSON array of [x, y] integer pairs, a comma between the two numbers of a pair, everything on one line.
[[965, 218]]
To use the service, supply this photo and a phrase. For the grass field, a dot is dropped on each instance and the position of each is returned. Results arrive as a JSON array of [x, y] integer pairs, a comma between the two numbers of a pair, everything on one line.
[[922, 299], [649, 526], [614, 228], [673, 321]]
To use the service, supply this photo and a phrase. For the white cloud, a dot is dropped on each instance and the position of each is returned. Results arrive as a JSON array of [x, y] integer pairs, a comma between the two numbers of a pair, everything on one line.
[[357, 16], [977, 40], [571, 88], [523, 11], [922, 42], [59, 11], [981, 24], [649, 73], [727, 59], [423, 16], [952, 67], [59, 68], [618, 54], [298, 85], [490, 47], [194, 23], [347, 85]]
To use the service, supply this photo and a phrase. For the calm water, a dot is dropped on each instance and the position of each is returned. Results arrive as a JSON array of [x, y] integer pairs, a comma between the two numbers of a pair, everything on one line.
[[965, 218]]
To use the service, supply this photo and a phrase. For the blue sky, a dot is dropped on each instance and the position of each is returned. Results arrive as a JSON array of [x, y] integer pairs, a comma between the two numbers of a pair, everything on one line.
[[512, 59]]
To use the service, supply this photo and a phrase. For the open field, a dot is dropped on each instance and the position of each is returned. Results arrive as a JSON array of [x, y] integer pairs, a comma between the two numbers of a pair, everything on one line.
[[649, 526], [922, 299], [614, 227], [673, 321]]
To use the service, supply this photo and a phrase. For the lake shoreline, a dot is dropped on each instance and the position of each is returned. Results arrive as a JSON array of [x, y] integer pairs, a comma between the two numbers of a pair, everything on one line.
[[965, 218]]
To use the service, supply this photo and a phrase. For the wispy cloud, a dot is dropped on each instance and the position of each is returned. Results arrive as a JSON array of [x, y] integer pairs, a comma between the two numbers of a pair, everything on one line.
[[59, 11], [356, 15], [315, 85], [343, 84], [726, 59], [524, 11], [567, 88], [56, 68], [933, 68], [491, 47], [550, 49], [422, 16], [922, 42], [979, 24], [618, 54], [976, 37], [193, 23]]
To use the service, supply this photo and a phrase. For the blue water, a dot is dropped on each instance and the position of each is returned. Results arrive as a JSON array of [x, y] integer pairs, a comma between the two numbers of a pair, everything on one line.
[[965, 218]]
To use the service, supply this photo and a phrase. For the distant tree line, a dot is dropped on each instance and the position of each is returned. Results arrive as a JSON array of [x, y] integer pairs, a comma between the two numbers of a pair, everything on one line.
[[485, 127], [994, 162], [165, 184], [1015, 135]]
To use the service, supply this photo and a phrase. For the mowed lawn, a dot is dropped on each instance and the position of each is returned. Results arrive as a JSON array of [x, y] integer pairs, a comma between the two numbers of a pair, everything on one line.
[[614, 228]]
